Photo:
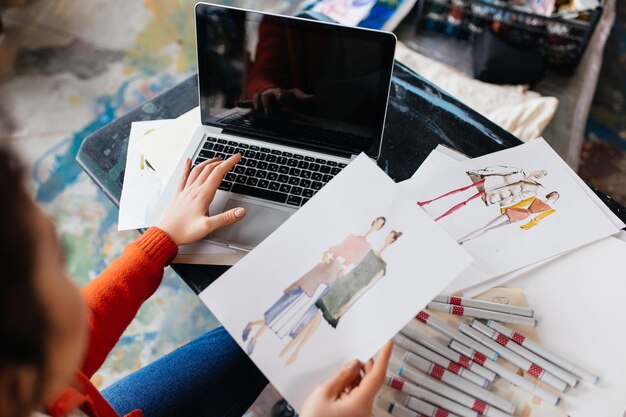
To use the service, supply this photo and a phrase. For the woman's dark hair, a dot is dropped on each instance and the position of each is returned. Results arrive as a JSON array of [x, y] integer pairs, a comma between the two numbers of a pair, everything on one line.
[[396, 235], [23, 324], [552, 194]]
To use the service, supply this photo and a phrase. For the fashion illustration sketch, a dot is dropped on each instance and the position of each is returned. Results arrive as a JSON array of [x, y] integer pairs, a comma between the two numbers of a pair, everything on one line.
[[288, 316], [501, 185], [517, 213], [337, 298]]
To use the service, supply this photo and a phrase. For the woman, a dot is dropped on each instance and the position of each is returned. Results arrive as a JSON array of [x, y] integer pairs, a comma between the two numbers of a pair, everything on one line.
[[55, 337], [285, 315], [340, 296], [345, 292], [502, 185], [517, 213]]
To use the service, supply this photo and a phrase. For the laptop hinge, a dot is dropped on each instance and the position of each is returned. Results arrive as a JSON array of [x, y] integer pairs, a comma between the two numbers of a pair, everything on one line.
[[214, 129], [271, 139]]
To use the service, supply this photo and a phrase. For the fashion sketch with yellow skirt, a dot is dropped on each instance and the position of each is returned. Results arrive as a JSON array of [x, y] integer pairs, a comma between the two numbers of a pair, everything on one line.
[[518, 212], [337, 298], [495, 185], [285, 316]]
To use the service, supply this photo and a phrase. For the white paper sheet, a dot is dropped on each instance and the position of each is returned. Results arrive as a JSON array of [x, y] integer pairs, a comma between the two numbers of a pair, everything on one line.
[[578, 300], [347, 205], [442, 156], [577, 221], [142, 186], [166, 146]]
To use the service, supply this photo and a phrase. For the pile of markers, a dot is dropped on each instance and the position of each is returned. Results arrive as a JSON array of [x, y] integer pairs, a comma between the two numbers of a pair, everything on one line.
[[451, 375]]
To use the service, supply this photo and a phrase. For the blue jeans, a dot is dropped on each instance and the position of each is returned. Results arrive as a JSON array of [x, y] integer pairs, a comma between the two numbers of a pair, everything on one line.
[[210, 376]]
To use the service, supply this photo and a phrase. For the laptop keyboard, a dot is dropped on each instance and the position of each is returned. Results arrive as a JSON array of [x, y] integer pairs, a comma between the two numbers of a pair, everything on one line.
[[270, 174]]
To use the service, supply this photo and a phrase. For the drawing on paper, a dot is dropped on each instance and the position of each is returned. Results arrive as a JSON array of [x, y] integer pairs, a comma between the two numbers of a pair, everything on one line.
[[509, 188], [517, 213], [328, 290]]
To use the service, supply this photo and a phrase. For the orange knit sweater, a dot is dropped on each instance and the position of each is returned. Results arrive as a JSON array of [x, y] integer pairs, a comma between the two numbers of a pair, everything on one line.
[[113, 299]]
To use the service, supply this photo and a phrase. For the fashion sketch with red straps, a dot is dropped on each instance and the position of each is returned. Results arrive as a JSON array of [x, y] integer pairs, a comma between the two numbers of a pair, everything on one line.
[[511, 189]]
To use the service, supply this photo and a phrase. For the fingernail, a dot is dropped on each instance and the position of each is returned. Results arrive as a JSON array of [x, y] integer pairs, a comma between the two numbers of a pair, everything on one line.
[[240, 212], [354, 364]]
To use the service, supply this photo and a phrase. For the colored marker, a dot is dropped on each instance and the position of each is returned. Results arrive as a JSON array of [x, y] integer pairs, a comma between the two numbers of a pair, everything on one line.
[[426, 408], [398, 410], [428, 396], [532, 368], [563, 375], [451, 393], [485, 305], [506, 373], [534, 347], [436, 346], [482, 314], [441, 327], [439, 360], [456, 381]]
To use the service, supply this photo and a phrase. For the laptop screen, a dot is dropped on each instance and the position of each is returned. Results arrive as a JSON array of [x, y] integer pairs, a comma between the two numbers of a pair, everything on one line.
[[304, 83]]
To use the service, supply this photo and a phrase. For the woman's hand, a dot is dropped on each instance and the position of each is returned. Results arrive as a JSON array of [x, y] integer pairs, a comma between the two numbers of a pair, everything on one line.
[[347, 394], [274, 99], [186, 219]]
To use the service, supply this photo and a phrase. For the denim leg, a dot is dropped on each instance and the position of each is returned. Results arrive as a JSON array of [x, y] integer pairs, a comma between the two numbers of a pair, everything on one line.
[[210, 376]]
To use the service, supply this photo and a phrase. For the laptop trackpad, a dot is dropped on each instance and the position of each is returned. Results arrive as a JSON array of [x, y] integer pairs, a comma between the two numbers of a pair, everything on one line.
[[259, 223]]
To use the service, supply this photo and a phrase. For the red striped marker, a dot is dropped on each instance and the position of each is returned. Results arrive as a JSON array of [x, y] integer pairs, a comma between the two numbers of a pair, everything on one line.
[[436, 346], [398, 410], [441, 327], [438, 372], [562, 374], [429, 396], [439, 360], [485, 305], [528, 366], [534, 347], [426, 408], [451, 393], [506, 373], [481, 314]]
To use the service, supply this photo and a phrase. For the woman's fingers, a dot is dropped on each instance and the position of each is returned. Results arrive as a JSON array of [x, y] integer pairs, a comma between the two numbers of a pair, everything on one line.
[[206, 172], [335, 386], [373, 380], [217, 174], [224, 219], [183, 178], [270, 98], [197, 170]]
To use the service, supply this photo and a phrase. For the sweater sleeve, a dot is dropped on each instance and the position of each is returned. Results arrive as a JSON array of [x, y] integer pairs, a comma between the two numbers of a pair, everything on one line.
[[271, 63], [114, 297]]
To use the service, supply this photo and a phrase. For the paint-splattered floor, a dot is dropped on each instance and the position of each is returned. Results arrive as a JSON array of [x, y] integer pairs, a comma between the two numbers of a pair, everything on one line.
[[79, 66]]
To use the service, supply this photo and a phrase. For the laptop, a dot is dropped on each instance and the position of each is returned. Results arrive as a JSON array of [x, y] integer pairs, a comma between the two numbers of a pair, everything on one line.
[[298, 98]]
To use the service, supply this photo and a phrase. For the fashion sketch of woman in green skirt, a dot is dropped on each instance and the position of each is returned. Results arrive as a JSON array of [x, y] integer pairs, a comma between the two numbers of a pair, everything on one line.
[[286, 314], [337, 298]]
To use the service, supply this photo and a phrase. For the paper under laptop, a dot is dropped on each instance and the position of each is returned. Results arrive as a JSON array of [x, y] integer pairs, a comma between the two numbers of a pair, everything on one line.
[[143, 185], [168, 143]]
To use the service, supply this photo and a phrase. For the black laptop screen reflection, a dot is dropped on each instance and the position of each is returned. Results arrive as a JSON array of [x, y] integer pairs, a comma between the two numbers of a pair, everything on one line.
[[296, 81]]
